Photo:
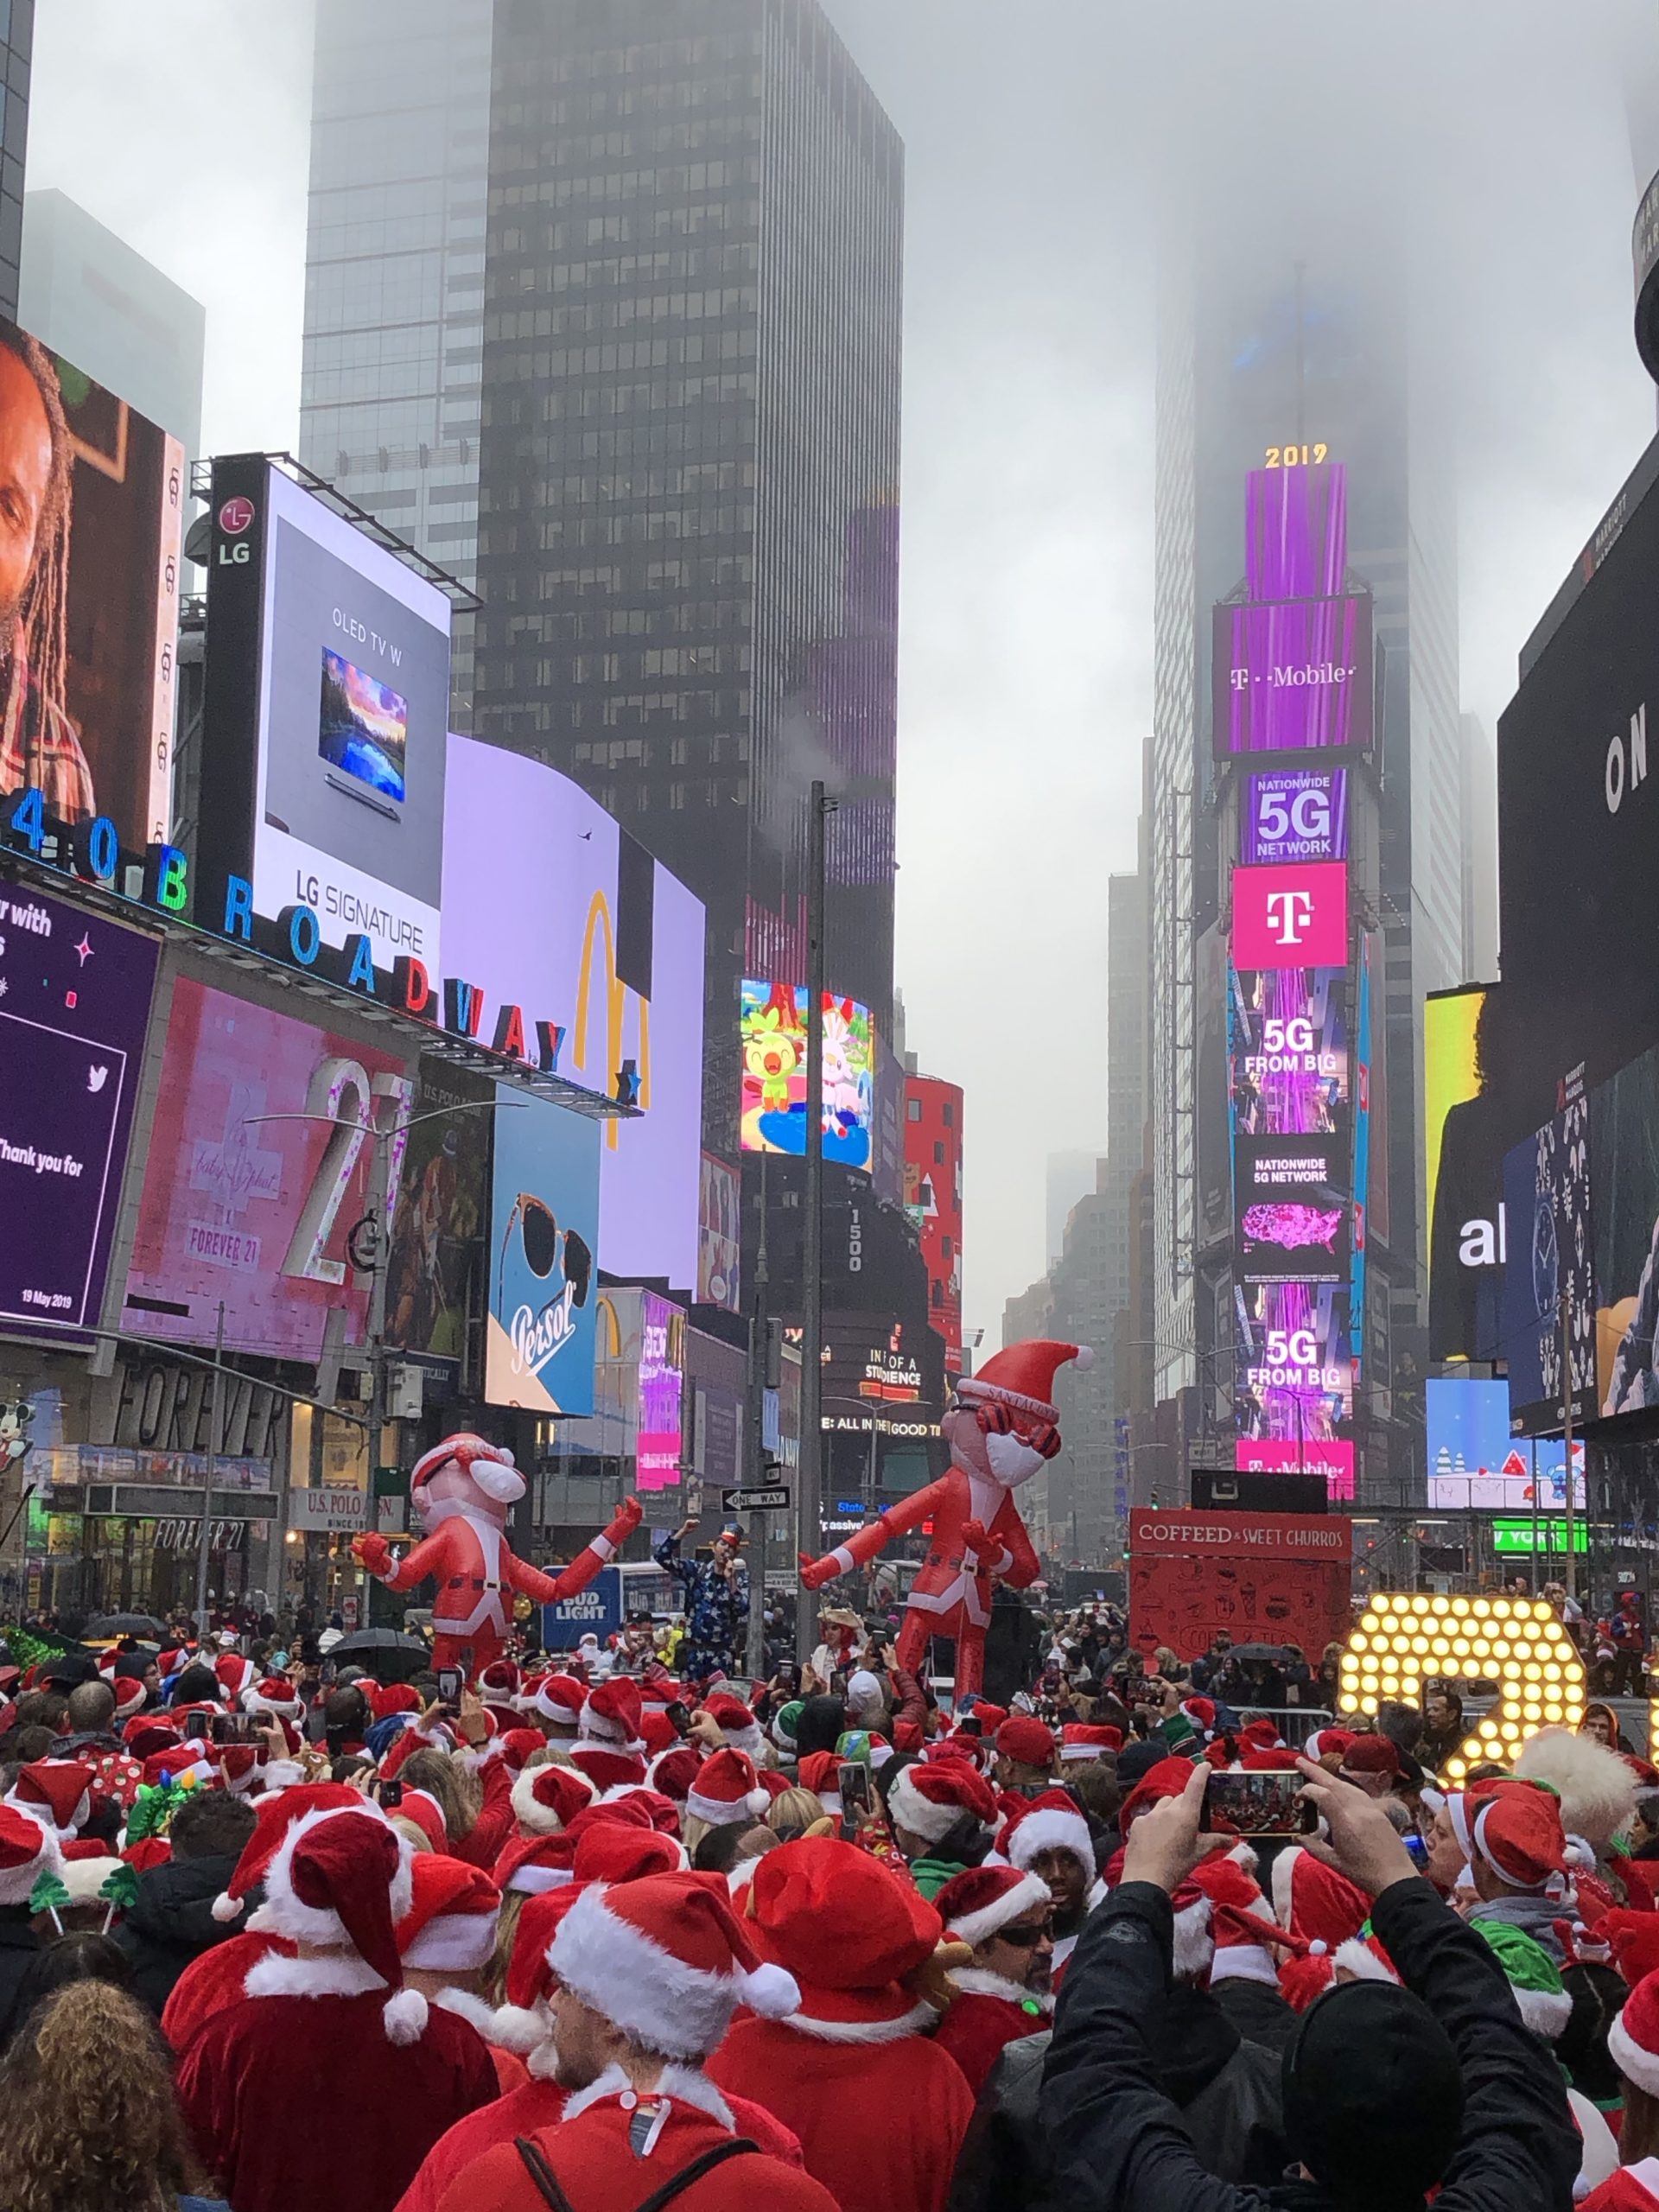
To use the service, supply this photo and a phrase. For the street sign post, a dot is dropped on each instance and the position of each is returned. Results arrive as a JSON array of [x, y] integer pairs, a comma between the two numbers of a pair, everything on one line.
[[774, 1500]]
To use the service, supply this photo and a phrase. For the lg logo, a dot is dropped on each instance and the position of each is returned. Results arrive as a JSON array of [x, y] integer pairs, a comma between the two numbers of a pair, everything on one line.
[[235, 517], [1290, 916], [1617, 776]]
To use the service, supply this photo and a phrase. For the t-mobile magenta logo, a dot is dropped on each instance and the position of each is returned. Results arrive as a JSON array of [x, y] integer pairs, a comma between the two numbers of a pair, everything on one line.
[[1291, 914]]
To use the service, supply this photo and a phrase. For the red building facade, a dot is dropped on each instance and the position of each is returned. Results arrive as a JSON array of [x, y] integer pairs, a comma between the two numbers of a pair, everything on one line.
[[933, 1195]]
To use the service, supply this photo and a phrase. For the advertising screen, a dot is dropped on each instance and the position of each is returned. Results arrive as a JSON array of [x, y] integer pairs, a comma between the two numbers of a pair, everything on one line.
[[552, 908], [1293, 915], [773, 1115], [75, 1003], [660, 1445], [1287, 1051], [1624, 1178], [1278, 1456], [1290, 1203], [544, 1235], [1475, 1465], [1295, 1372], [326, 716], [250, 1211], [1292, 675], [1370, 959], [438, 1233], [720, 1217], [1463, 1159], [933, 1197], [1549, 1272], [1294, 814], [86, 698]]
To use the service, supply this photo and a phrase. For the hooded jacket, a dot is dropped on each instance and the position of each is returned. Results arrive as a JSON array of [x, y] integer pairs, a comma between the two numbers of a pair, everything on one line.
[[170, 1923]]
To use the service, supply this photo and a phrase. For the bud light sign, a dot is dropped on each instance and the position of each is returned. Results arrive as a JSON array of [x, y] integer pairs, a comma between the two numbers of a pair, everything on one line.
[[1294, 916], [1301, 815]]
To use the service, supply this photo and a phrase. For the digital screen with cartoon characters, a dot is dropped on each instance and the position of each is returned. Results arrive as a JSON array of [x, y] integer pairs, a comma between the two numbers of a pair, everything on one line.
[[774, 1017]]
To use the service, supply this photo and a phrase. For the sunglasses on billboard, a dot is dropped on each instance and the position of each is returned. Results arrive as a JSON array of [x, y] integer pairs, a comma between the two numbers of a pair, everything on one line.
[[547, 1247]]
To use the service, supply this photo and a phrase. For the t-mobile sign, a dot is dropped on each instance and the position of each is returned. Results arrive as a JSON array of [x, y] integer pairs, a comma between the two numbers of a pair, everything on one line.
[[1294, 916], [74, 1002]]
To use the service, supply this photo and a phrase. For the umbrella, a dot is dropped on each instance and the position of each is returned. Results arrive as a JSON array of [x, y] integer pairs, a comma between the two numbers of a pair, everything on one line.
[[143, 1625], [1274, 1653], [385, 1653]]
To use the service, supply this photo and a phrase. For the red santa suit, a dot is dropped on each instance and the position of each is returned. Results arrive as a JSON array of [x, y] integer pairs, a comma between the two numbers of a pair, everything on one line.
[[1632, 2189], [461, 1490], [990, 2013]]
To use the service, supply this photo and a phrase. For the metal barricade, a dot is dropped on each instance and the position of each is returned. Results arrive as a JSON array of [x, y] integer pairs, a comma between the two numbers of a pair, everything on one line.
[[1295, 1723]]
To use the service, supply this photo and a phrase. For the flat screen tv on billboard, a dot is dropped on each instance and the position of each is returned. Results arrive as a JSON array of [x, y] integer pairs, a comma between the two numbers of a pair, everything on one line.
[[1549, 1313], [1289, 1051], [75, 1004], [1464, 1148], [1476, 1467], [1292, 675], [90, 579], [1291, 1209], [326, 716], [774, 1019]]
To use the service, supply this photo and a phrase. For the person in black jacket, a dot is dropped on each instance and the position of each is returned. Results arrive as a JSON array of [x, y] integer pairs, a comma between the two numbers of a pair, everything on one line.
[[171, 1920], [1388, 2092]]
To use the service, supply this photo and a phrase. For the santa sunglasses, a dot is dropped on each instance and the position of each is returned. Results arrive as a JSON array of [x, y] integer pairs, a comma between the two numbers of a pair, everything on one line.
[[1026, 1937]]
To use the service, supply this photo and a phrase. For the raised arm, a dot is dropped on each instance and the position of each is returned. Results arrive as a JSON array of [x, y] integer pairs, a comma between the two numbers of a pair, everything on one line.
[[552, 1589], [869, 1542], [427, 1557]]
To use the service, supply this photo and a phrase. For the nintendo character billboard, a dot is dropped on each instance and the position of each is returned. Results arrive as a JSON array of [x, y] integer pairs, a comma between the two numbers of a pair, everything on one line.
[[773, 1020]]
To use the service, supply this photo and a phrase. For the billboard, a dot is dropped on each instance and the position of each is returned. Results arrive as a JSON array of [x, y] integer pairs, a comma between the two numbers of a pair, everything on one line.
[[1549, 1272], [1370, 959], [75, 1005], [1291, 915], [1290, 1209], [1463, 1161], [544, 1237], [1292, 675], [1272, 1578], [1293, 814], [1333, 1459], [557, 916], [1287, 1051], [659, 1446], [720, 1232], [251, 1212], [1624, 1178], [326, 713], [89, 574], [772, 1021], [1294, 1370], [438, 1230], [1476, 1465], [933, 1198]]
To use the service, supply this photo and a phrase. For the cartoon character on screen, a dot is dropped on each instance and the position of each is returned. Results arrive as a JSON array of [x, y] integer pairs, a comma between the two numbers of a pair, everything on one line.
[[461, 1490], [1001, 1429]]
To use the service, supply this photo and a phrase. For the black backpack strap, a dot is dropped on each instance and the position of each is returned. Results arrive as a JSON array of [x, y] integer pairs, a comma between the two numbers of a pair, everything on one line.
[[677, 2184], [542, 2175]]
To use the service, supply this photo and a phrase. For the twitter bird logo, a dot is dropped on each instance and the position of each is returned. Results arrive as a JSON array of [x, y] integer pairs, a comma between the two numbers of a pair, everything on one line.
[[96, 1077]]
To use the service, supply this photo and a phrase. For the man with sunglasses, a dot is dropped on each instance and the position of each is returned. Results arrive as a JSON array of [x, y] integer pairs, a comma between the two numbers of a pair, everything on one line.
[[1005, 1916]]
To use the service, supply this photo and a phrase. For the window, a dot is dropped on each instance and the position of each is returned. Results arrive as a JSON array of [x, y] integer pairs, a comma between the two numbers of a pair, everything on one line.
[[938, 1152], [949, 1114], [913, 1109]]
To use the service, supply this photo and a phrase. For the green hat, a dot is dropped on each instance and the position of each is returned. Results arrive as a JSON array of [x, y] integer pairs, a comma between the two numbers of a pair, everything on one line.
[[1533, 1975], [786, 1720]]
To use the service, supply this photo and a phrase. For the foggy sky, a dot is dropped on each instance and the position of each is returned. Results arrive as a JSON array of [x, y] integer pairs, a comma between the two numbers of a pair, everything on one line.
[[1042, 136]]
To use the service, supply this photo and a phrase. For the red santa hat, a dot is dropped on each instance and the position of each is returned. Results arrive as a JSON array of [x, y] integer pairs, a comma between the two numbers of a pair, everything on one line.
[[819, 1772], [274, 1696], [1051, 1823], [239, 1766], [1518, 1834], [611, 1715], [532, 1866], [499, 1682], [667, 1960], [123, 1671], [273, 1816], [453, 1912], [1027, 1741], [663, 1812], [989, 1716], [559, 1699], [176, 1760], [28, 1848], [546, 1798], [524, 2023], [671, 1774], [1633, 2038], [735, 1722], [490, 1465], [340, 1881], [608, 1769], [57, 1792], [614, 1851], [515, 1747], [1080, 1739], [976, 1904], [657, 1731], [235, 1674], [1164, 1778], [1324, 1741], [1021, 1377], [930, 1797], [1242, 1926], [147, 1732], [172, 1659], [422, 1810], [1201, 1712], [726, 1789], [1314, 1901], [848, 1934], [391, 1698], [1372, 1756], [1261, 1736], [1634, 1934]]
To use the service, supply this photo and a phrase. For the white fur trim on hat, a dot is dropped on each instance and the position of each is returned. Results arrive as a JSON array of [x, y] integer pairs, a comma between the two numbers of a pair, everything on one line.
[[976, 1982], [335, 1974], [1194, 1946], [1635, 2063], [1284, 1869], [908, 1808], [723, 1812], [520, 2028], [1357, 1957], [1546, 2011], [1025, 1897], [284, 1914], [457, 1942], [1051, 1830], [1244, 1962], [532, 1816], [907, 2024], [676, 2009]]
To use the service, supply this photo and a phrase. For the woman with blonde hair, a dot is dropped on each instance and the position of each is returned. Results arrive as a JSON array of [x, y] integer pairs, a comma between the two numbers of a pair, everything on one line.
[[88, 2120]]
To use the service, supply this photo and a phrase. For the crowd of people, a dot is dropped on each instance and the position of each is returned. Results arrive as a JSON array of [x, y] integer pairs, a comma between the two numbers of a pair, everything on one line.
[[595, 1934]]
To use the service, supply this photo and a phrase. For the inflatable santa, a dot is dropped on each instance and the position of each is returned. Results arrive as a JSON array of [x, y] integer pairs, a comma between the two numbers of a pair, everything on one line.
[[1000, 1430], [461, 1491]]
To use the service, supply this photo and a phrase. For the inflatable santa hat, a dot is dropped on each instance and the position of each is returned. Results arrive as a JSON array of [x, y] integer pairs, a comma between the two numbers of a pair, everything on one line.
[[1021, 1377], [491, 1466]]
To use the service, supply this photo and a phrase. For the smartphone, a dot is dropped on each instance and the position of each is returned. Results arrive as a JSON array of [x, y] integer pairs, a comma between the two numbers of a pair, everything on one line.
[[856, 1787], [195, 1725], [451, 1682], [391, 1794], [789, 1675], [679, 1716], [330, 1669], [1259, 1804], [229, 1728]]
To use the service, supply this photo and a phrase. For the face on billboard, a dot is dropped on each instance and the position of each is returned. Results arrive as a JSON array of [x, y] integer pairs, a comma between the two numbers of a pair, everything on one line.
[[250, 1212], [1296, 814], [552, 907], [74, 1002], [1295, 1374], [1474, 1464], [1289, 1054], [662, 1385], [1292, 675], [439, 1231], [720, 1206], [1294, 915], [773, 1023], [89, 595], [1290, 1195], [544, 1239]]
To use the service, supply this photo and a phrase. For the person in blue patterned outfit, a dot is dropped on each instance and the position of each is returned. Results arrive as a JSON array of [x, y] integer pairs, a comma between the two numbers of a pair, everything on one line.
[[717, 1601]]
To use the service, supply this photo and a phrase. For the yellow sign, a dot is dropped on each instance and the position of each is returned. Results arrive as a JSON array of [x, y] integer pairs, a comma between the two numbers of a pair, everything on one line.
[[1402, 1642], [615, 1002]]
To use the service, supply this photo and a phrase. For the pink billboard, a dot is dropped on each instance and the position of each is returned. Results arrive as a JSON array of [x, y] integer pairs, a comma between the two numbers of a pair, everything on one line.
[[1291, 915], [1333, 1459], [249, 1212]]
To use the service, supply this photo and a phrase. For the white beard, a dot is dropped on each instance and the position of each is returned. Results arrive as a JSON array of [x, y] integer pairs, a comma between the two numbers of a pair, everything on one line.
[[1013, 1461]]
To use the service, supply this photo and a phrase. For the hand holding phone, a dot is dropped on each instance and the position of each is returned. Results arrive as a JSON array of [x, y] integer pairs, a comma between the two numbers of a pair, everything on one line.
[[451, 1682], [855, 1785], [1258, 1804]]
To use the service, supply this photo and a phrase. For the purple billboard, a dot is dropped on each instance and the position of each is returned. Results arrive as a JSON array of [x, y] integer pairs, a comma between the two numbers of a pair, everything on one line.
[[1292, 675], [1287, 1050], [660, 1446], [1294, 814], [1295, 1372], [75, 1005]]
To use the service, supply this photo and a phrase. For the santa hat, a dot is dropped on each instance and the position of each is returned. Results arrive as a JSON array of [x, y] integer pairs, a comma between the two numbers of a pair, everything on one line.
[[1028, 1742], [176, 1761], [274, 1696], [657, 1731], [848, 1933], [1163, 1778], [239, 1766], [1201, 1712], [546, 1798], [1051, 1823], [663, 1813], [672, 1773], [735, 1722], [976, 1904], [1534, 1979], [499, 1682], [667, 1960], [987, 1717], [387, 1700], [524, 2023], [1079, 1739], [1633, 2038], [930, 1797], [1634, 1935], [28, 1848], [1518, 1834], [1242, 1925], [147, 1732], [1261, 1736], [1372, 1756], [490, 1465], [235, 1674], [516, 1746], [422, 1810], [1021, 1377], [608, 1769], [610, 1716], [1314, 1901], [532, 1866], [123, 1671], [726, 1789], [819, 1772], [58, 1792], [614, 1851], [172, 1659], [451, 1922], [273, 1816], [340, 1881], [1324, 1741]]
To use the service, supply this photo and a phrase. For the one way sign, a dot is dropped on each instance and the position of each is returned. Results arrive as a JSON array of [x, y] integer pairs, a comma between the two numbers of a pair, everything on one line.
[[757, 1501]]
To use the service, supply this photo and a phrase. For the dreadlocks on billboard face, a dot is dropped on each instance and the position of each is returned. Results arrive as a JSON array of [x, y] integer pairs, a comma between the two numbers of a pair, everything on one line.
[[92, 500]]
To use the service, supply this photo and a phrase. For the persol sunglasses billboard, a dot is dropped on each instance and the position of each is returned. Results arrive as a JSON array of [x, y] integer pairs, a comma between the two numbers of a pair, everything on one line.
[[543, 1242]]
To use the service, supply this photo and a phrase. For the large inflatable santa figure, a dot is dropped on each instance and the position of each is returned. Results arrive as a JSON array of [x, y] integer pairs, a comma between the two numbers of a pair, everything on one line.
[[1001, 1429], [461, 1490]]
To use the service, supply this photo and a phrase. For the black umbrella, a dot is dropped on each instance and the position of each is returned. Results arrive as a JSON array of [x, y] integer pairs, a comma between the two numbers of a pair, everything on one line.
[[144, 1626], [1276, 1655], [386, 1653]]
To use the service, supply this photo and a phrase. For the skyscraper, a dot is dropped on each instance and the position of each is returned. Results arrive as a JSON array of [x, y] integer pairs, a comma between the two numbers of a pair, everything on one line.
[[16, 52]]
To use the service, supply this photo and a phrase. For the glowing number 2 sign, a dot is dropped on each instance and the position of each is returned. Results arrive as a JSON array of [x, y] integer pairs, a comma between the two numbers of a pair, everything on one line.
[[1402, 1642]]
